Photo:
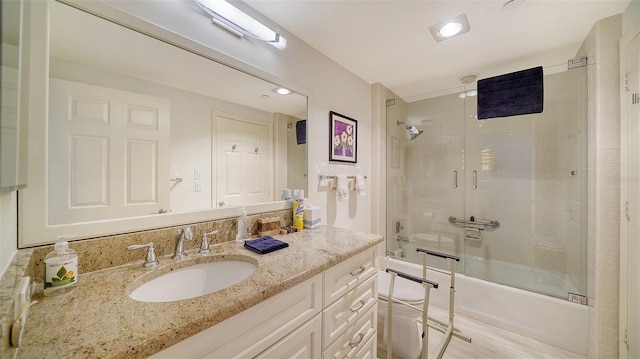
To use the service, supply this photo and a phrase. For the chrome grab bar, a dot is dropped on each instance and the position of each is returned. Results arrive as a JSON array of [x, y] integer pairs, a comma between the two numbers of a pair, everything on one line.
[[484, 225]]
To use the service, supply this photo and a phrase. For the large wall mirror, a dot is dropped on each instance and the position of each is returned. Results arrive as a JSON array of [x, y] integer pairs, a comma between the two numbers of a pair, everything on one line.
[[141, 133], [12, 147]]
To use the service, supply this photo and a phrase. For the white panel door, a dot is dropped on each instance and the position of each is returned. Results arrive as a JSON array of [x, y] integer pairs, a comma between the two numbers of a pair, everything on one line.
[[108, 153], [244, 164]]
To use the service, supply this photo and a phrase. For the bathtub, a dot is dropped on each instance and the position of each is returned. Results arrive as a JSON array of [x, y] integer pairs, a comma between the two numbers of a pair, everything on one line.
[[547, 319]]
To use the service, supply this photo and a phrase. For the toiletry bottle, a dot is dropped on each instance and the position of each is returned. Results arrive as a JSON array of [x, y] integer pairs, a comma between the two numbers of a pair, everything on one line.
[[60, 268], [243, 226], [298, 209]]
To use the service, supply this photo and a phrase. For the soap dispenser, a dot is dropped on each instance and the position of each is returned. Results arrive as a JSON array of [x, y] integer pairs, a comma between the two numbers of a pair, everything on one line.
[[243, 226], [60, 268]]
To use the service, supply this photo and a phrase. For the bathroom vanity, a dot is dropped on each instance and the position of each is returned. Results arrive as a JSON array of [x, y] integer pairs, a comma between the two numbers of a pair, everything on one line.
[[316, 296]]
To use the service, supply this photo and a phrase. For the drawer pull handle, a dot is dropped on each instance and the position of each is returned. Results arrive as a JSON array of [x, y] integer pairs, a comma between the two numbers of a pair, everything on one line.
[[361, 304], [358, 271], [357, 342]]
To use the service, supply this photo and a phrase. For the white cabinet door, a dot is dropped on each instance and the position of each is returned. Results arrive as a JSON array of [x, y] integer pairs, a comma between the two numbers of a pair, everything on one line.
[[108, 153], [348, 309], [244, 164], [345, 276], [253, 330], [303, 343], [369, 350], [355, 338]]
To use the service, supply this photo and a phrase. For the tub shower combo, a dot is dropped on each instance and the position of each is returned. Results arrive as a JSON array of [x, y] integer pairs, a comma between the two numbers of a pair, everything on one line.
[[507, 195]]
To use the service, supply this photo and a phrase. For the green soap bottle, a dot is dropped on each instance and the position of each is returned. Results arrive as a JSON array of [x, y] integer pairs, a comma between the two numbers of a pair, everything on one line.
[[60, 268]]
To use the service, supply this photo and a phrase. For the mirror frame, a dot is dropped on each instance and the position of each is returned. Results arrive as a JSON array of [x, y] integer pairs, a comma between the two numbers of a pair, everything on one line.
[[39, 233], [18, 162]]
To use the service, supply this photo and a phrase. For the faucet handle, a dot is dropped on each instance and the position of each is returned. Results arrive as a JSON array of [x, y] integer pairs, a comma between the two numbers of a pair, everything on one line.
[[186, 232], [204, 248], [151, 260]]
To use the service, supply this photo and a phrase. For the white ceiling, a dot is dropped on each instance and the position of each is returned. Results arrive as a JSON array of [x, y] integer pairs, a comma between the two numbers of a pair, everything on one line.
[[389, 41]]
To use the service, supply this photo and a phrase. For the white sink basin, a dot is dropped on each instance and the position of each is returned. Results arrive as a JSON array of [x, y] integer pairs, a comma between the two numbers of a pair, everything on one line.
[[193, 281]]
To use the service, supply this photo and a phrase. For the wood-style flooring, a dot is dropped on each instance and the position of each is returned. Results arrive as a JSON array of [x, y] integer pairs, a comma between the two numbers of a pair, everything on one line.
[[489, 342]]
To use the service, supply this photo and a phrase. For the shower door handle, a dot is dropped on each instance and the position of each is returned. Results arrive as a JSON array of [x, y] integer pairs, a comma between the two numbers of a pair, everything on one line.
[[475, 179]]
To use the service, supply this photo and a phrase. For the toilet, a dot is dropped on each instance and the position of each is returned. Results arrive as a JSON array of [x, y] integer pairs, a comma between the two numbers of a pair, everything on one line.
[[406, 335]]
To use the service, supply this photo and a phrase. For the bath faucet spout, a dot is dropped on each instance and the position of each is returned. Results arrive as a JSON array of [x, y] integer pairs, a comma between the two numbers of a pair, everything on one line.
[[185, 234]]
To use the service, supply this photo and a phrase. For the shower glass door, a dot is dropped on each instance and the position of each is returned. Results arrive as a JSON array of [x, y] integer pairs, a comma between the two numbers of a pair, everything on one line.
[[526, 172], [425, 177], [529, 173]]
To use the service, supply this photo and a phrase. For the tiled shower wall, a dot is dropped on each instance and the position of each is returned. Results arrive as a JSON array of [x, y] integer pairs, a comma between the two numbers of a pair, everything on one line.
[[602, 49]]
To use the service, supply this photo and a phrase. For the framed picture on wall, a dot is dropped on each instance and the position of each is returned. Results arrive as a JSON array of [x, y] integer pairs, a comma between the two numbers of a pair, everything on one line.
[[344, 138]]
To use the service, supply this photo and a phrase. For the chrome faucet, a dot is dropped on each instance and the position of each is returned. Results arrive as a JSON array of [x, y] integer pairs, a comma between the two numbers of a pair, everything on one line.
[[204, 247], [185, 234], [151, 260]]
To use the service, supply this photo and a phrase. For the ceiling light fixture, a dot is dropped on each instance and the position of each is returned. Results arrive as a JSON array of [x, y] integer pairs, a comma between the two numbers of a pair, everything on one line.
[[240, 24], [281, 91], [449, 28]]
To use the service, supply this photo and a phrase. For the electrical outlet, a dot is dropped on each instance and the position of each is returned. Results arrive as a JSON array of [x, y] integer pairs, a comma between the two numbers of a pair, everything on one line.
[[198, 186]]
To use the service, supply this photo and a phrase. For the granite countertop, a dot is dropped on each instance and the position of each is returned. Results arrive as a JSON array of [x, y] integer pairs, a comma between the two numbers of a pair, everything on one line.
[[99, 320]]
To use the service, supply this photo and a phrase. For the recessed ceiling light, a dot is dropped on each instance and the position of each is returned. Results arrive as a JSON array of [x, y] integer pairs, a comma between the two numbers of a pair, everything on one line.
[[281, 91], [449, 28]]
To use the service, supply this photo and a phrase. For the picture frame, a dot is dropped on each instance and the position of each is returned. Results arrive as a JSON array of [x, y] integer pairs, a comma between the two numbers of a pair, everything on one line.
[[343, 131]]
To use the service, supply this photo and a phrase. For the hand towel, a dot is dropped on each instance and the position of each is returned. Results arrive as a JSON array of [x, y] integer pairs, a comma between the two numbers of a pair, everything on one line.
[[361, 187], [342, 187], [265, 244]]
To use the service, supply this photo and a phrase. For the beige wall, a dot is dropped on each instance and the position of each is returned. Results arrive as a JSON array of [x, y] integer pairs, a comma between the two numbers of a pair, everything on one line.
[[602, 49]]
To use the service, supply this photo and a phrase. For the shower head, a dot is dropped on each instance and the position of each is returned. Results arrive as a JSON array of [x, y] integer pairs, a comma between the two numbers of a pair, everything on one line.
[[413, 131]]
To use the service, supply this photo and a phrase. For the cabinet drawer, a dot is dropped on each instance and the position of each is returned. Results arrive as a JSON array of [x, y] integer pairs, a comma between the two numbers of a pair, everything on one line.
[[348, 309], [347, 275], [304, 342], [369, 349], [250, 332], [355, 337]]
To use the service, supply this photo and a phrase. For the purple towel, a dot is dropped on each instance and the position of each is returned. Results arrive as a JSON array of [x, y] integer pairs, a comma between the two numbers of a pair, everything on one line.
[[265, 244]]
